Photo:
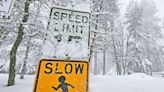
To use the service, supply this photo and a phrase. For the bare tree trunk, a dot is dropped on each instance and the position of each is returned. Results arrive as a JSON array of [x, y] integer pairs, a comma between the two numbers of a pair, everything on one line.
[[118, 67], [95, 64], [104, 62], [3, 34], [126, 55], [13, 56], [124, 67], [23, 71], [13, 51], [95, 34]]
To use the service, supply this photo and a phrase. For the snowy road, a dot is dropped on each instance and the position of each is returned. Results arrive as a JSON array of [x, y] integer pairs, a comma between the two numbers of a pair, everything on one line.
[[132, 83]]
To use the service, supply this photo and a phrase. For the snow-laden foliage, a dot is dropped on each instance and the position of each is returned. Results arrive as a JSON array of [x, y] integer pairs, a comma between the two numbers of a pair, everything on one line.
[[143, 33], [127, 43]]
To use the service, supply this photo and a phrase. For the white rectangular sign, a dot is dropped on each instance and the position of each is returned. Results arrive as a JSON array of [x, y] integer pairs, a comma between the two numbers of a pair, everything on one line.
[[6, 6], [70, 32], [70, 25]]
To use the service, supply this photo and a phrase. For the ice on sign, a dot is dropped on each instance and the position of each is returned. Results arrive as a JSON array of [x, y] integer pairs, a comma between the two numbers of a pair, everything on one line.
[[68, 33], [62, 76]]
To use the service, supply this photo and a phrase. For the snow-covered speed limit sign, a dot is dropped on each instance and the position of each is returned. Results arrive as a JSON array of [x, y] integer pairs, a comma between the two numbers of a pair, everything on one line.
[[69, 32], [69, 25]]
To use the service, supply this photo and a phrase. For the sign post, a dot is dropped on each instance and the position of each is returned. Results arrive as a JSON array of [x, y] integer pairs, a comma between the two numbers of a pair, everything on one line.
[[55, 75]]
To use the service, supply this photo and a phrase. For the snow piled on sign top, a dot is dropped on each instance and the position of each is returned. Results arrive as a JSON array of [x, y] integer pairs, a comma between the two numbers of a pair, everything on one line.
[[78, 5]]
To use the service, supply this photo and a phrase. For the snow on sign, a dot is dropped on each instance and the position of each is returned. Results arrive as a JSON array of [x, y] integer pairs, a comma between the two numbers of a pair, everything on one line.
[[6, 6], [69, 31], [62, 76]]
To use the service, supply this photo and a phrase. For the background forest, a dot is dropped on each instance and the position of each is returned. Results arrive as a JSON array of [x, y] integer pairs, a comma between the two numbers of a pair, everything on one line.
[[125, 39]]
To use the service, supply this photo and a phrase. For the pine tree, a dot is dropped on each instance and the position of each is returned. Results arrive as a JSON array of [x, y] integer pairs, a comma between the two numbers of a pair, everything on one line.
[[151, 33], [134, 26]]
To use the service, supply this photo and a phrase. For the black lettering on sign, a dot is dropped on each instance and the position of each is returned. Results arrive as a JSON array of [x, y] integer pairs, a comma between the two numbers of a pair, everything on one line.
[[71, 18], [73, 28], [68, 68], [57, 69], [56, 15], [63, 15], [77, 19], [58, 37], [73, 37], [81, 31], [49, 69], [85, 19], [55, 27], [79, 68], [68, 28], [63, 27]]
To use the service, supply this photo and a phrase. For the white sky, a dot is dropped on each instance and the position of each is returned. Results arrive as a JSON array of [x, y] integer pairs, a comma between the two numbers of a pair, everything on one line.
[[159, 4]]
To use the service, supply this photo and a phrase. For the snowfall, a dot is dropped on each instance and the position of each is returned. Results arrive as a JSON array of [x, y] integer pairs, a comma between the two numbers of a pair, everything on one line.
[[138, 82]]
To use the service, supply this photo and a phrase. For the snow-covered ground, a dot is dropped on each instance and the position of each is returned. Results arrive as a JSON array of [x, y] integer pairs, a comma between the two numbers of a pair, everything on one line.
[[24, 85], [132, 83]]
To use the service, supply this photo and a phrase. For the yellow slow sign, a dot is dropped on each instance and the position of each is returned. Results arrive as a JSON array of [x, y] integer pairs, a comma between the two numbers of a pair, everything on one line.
[[61, 76]]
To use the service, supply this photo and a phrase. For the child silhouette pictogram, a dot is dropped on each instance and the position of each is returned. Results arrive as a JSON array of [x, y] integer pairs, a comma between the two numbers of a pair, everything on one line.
[[63, 85]]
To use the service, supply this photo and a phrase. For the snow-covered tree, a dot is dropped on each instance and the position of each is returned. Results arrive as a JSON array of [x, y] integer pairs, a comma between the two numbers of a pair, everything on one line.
[[152, 32], [27, 22], [142, 33], [104, 13]]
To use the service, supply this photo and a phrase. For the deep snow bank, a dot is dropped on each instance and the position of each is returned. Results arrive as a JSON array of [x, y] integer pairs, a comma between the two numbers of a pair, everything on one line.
[[138, 82], [131, 83]]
